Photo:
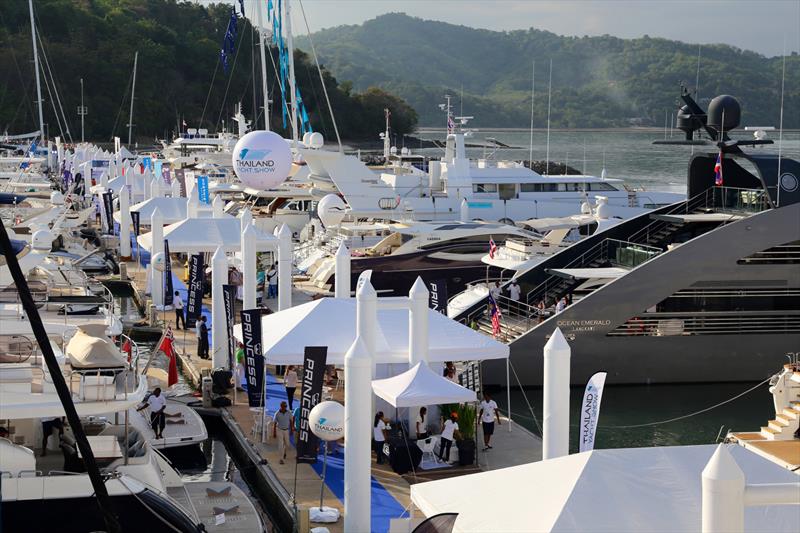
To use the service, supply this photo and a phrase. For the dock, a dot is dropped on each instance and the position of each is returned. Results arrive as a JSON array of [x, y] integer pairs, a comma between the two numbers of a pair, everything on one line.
[[292, 488]]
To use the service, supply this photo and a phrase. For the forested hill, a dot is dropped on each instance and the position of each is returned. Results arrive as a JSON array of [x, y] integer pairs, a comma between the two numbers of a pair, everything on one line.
[[597, 81], [179, 72]]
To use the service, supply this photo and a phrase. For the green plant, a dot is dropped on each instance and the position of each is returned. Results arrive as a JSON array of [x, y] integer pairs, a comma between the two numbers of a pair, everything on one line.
[[467, 414]]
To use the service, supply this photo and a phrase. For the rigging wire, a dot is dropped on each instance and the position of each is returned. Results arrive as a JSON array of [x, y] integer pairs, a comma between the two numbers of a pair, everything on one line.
[[210, 88], [24, 85], [122, 104], [321, 78], [52, 79], [230, 78]]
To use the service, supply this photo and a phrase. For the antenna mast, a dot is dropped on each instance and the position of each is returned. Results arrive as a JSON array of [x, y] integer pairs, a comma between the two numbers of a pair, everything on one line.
[[549, 95], [533, 94], [133, 92], [264, 90]]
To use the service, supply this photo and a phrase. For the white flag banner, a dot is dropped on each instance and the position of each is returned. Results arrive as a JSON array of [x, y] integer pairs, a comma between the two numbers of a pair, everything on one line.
[[590, 410]]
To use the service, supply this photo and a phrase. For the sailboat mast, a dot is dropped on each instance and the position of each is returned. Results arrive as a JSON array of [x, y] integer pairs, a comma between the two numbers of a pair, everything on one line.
[[287, 21], [263, 68], [533, 95], [133, 92], [549, 95], [36, 69]]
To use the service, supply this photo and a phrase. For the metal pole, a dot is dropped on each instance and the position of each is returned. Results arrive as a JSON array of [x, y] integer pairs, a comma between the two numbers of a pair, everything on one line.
[[83, 113], [508, 391], [133, 92], [263, 68], [287, 21], [36, 70], [324, 469]]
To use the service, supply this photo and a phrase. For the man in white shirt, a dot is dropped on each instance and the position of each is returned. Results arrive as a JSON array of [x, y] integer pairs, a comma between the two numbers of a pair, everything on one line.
[[177, 303], [495, 290], [488, 414], [448, 435], [380, 431], [157, 404], [561, 305], [513, 293]]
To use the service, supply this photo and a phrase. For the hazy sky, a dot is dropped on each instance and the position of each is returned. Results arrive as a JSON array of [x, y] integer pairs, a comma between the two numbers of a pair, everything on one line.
[[759, 25]]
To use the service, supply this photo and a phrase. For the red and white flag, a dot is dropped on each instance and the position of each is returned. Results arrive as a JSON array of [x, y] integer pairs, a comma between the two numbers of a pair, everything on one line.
[[492, 248]]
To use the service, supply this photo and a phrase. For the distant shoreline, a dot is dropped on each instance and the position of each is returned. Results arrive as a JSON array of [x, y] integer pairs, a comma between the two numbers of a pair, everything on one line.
[[643, 129]]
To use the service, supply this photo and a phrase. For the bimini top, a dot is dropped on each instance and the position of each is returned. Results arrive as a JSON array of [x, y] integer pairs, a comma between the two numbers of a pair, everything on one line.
[[90, 348]]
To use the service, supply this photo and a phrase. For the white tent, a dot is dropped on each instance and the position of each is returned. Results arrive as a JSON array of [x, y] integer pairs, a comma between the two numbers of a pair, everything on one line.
[[172, 209], [205, 234], [331, 322], [420, 385], [137, 185], [634, 489]]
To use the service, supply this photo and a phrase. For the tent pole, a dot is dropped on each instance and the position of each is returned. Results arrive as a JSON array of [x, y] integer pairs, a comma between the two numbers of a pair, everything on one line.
[[508, 392], [263, 402]]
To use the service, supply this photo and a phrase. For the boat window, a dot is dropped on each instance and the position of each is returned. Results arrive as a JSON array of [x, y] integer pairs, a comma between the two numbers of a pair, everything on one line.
[[600, 187], [538, 187], [508, 191], [484, 187]]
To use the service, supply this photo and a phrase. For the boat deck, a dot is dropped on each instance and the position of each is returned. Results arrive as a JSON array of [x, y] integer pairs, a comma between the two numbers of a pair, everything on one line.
[[221, 506], [783, 452]]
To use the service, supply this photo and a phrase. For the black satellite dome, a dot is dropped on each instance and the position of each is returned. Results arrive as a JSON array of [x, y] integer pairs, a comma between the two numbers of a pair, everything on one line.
[[688, 122], [726, 106]]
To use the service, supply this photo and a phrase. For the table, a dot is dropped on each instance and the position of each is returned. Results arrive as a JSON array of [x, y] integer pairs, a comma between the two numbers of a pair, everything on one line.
[[104, 447]]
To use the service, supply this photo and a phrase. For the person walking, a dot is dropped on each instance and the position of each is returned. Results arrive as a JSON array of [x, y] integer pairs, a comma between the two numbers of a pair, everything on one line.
[[281, 430], [202, 337], [422, 423], [380, 433], [272, 281], [448, 435], [488, 414], [290, 382], [177, 302], [158, 419]]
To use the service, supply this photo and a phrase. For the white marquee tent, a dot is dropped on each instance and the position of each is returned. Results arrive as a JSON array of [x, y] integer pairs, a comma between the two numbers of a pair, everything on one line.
[[172, 209], [420, 385], [331, 322], [634, 489], [204, 234]]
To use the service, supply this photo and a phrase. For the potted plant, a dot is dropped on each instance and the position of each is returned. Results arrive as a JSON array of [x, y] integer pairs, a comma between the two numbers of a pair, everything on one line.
[[467, 414]]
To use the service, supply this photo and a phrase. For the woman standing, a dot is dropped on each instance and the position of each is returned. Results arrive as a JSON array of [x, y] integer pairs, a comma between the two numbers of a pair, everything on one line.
[[422, 423], [380, 433], [290, 382]]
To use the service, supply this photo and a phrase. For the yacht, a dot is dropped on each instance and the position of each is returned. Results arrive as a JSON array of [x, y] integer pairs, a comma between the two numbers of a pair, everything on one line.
[[196, 146], [704, 290], [398, 252], [455, 187]]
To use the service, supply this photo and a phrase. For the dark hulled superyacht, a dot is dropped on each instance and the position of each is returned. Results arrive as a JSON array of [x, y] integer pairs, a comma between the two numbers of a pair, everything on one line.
[[705, 290]]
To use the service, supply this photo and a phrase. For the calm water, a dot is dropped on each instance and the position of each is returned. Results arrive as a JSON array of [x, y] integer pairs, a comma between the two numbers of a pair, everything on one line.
[[634, 405], [629, 154]]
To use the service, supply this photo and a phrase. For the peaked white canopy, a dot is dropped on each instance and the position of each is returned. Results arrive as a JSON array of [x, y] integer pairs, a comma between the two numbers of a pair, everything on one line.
[[205, 234], [420, 385], [331, 322], [634, 489], [137, 184], [172, 209]]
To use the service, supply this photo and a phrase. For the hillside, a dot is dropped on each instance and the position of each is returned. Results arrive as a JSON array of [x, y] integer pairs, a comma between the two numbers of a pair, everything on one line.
[[597, 81], [179, 73]]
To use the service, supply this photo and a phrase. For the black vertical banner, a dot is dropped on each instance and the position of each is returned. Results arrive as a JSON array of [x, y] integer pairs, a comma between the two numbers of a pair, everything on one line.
[[194, 304], [108, 203], [179, 175], [313, 374], [253, 357], [136, 219], [168, 290], [229, 299], [437, 298]]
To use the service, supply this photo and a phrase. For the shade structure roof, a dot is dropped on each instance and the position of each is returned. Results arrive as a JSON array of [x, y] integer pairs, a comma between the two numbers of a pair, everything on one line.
[[205, 234], [419, 385], [331, 322], [634, 489], [172, 209]]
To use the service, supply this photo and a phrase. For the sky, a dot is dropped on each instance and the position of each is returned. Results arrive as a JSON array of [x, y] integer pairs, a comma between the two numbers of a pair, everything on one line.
[[759, 25]]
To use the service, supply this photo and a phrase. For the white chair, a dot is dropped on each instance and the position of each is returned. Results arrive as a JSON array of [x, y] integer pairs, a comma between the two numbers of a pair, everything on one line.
[[339, 378], [428, 447]]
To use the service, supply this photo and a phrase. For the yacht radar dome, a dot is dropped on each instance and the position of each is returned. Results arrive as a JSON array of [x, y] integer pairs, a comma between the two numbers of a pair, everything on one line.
[[306, 138], [331, 210], [56, 198], [724, 107], [262, 160], [316, 140], [159, 261], [42, 240]]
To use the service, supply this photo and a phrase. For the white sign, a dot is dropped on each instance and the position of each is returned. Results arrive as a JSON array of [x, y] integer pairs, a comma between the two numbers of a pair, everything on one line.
[[326, 420], [590, 410], [262, 160]]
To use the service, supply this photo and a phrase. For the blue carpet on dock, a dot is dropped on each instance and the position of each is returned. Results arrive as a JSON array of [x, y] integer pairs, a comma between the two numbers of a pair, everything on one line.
[[384, 505]]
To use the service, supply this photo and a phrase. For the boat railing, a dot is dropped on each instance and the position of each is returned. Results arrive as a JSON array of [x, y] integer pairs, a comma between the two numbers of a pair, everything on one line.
[[100, 388], [739, 200], [698, 201], [16, 348], [666, 324]]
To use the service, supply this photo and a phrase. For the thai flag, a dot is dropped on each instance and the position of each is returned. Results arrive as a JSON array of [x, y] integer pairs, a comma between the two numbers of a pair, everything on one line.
[[718, 170], [451, 126], [496, 314], [492, 248]]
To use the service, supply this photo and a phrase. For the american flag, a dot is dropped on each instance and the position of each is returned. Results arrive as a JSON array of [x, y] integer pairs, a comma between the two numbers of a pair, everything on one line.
[[492, 248], [718, 170], [496, 314], [451, 126]]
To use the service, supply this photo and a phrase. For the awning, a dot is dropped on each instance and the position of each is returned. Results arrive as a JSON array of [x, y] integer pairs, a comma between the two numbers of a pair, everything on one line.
[[589, 273], [693, 218], [172, 209], [205, 234]]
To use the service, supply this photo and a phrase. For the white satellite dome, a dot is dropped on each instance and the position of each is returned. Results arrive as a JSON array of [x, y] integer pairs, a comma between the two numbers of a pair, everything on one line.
[[331, 210], [56, 198], [316, 140], [602, 210], [159, 261], [42, 240], [307, 138]]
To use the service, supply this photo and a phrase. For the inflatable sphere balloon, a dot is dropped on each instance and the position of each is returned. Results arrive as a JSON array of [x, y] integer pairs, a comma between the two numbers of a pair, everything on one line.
[[326, 420], [159, 261], [331, 210], [262, 160]]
